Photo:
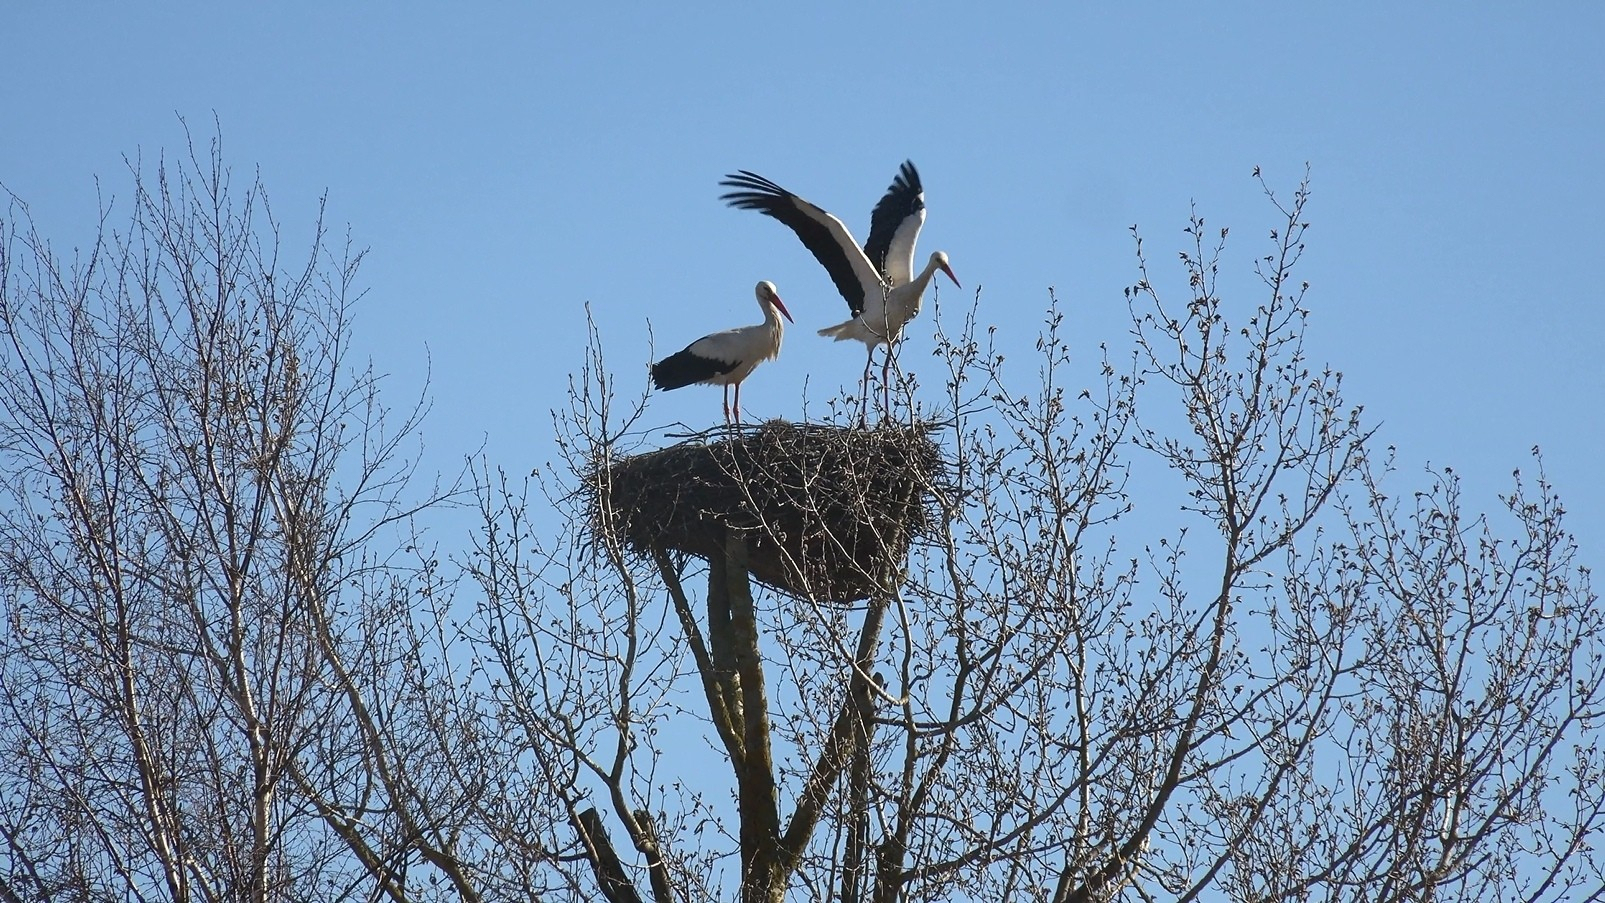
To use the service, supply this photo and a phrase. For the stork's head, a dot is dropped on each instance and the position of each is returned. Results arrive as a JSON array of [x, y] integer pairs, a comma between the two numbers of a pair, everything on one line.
[[769, 296], [940, 259]]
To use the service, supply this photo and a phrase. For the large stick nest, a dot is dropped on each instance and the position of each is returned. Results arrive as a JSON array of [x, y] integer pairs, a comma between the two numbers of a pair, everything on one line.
[[828, 512]]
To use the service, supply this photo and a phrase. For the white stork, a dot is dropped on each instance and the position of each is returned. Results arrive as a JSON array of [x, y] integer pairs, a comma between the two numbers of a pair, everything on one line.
[[726, 358], [878, 281]]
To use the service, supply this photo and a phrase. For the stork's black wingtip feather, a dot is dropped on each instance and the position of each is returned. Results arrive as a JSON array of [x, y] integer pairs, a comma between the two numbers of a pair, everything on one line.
[[757, 192], [683, 368], [753, 182], [908, 176], [751, 200]]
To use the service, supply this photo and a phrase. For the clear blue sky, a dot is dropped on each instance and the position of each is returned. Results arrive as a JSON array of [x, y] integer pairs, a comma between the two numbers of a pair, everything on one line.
[[508, 163]]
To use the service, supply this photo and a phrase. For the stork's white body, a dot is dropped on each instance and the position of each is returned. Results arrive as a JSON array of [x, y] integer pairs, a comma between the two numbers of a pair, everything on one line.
[[878, 281], [729, 357], [883, 319]]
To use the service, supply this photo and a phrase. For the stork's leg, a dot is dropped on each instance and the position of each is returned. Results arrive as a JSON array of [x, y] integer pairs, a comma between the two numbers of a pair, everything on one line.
[[727, 405], [738, 403], [886, 382], [863, 395]]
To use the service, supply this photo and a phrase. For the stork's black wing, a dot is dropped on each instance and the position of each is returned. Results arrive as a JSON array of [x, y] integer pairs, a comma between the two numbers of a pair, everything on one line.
[[821, 233], [895, 226]]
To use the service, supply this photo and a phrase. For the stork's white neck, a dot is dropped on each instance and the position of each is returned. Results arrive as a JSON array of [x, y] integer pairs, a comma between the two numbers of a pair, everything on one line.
[[925, 276]]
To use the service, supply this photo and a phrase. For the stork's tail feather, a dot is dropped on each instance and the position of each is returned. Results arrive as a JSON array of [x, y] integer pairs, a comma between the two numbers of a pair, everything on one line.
[[841, 332]]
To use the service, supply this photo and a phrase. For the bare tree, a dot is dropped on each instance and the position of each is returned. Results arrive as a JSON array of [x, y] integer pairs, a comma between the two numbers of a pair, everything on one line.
[[1294, 691], [951, 657], [192, 479]]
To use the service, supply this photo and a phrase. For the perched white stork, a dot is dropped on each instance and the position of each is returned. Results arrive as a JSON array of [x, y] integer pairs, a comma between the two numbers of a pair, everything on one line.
[[878, 281], [726, 358]]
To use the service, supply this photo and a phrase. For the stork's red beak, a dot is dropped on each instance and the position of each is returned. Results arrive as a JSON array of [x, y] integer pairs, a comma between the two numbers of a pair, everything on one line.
[[946, 269], [781, 306]]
